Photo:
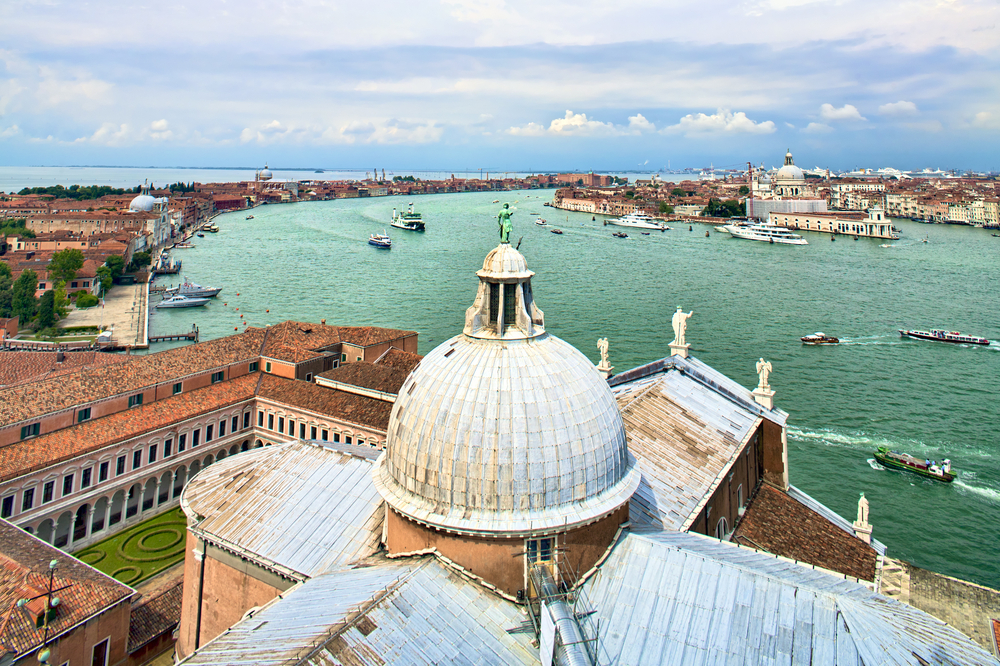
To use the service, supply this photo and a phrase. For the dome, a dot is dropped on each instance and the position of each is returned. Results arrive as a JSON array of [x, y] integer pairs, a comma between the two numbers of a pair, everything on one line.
[[143, 203], [509, 433], [789, 172], [264, 174]]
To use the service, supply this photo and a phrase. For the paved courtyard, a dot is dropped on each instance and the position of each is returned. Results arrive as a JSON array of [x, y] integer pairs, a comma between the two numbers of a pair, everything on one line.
[[124, 309]]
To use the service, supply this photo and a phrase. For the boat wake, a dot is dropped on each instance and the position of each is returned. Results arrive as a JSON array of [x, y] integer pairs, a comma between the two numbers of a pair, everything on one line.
[[859, 441], [874, 465], [872, 340], [990, 494]]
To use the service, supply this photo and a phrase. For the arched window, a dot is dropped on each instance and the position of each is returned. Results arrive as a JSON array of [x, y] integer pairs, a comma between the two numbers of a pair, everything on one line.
[[721, 528]]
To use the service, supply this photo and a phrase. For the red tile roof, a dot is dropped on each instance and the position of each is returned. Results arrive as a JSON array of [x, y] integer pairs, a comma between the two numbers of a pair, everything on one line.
[[368, 375], [28, 455], [24, 573], [341, 405], [366, 336], [397, 358], [154, 616], [779, 524], [17, 367]]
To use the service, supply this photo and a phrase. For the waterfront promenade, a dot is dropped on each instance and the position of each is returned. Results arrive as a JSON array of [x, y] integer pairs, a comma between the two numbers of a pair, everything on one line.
[[125, 310]]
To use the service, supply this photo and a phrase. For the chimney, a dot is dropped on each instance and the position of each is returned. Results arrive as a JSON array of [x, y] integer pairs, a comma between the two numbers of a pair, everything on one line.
[[60, 356]]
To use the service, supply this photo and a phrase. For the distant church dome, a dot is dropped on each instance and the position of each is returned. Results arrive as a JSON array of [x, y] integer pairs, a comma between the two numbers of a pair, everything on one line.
[[264, 174], [789, 172], [144, 202], [505, 429]]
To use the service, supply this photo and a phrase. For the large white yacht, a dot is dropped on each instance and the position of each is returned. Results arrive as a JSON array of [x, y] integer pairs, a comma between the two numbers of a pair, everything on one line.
[[769, 233], [638, 221]]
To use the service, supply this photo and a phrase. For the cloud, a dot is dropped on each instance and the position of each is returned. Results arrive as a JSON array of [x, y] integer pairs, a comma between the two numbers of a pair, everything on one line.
[[817, 128], [900, 108], [160, 130], [986, 120], [722, 122], [846, 112], [9, 132], [531, 129], [109, 134], [640, 124]]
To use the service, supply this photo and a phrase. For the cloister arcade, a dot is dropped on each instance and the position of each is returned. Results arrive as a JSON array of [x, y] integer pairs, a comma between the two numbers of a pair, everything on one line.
[[97, 518]]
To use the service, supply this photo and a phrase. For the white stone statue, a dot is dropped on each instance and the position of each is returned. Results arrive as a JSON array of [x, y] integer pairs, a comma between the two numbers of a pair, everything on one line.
[[679, 322], [862, 511], [763, 369], [602, 345]]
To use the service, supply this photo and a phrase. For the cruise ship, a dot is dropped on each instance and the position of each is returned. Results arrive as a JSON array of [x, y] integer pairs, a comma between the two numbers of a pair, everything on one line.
[[769, 233], [638, 221]]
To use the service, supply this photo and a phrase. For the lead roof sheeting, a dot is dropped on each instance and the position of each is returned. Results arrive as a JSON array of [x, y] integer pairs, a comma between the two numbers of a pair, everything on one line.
[[669, 597], [683, 435], [304, 507]]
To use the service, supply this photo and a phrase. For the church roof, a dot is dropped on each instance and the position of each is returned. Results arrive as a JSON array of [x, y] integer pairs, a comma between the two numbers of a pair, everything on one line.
[[299, 508]]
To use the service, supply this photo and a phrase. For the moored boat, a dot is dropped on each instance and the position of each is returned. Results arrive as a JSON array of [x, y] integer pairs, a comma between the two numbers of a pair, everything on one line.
[[192, 290], [637, 221], [939, 335], [769, 233], [926, 468], [408, 219], [178, 301], [380, 240], [819, 338]]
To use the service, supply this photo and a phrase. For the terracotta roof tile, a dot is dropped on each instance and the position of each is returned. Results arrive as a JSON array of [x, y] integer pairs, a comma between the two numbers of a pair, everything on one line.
[[17, 367], [292, 337], [154, 616], [782, 526], [397, 358], [20, 403], [359, 409], [366, 336], [24, 573], [369, 376], [39, 452]]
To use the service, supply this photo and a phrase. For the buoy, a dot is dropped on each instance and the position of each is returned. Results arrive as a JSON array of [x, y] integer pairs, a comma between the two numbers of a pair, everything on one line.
[[236, 328], [237, 293], [237, 309], [225, 303], [266, 310]]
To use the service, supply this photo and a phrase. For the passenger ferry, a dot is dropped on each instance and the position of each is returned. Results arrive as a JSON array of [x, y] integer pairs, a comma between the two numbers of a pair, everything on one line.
[[769, 233], [945, 336], [408, 220], [638, 221], [380, 240]]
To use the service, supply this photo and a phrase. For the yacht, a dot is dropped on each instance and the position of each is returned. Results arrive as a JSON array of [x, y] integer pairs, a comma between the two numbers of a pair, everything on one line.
[[192, 290], [178, 301], [769, 233], [408, 219], [380, 240], [637, 221]]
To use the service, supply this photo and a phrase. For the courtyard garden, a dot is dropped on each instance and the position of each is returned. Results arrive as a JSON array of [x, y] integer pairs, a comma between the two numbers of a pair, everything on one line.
[[141, 551]]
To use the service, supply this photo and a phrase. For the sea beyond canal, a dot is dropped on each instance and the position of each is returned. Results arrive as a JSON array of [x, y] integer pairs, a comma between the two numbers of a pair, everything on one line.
[[311, 261]]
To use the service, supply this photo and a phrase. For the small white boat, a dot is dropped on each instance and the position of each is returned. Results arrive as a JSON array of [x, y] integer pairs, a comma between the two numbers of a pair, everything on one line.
[[542, 223], [192, 290], [768, 233], [380, 240], [179, 301], [819, 338]]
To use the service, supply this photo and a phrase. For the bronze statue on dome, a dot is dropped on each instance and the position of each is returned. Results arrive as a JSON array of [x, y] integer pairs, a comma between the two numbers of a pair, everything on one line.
[[503, 219]]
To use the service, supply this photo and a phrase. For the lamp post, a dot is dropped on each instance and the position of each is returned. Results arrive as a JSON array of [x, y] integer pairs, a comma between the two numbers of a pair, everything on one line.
[[44, 653]]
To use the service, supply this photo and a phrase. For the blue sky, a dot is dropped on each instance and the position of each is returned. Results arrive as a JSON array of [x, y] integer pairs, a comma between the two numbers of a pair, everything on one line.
[[501, 85]]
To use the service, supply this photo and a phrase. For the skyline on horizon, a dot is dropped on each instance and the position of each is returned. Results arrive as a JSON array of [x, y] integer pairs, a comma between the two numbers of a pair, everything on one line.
[[504, 85]]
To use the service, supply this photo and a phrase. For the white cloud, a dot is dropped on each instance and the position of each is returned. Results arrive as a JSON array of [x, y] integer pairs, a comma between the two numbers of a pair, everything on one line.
[[109, 134], [9, 132], [900, 108], [159, 126], [817, 128], [722, 122], [846, 112], [640, 124], [160, 130], [531, 129], [986, 120]]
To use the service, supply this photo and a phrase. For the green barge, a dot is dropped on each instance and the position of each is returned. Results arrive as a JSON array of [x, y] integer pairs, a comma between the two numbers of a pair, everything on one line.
[[925, 468]]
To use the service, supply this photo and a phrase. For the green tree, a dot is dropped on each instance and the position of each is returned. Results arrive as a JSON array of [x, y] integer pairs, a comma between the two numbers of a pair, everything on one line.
[[15, 227], [61, 304], [666, 208], [580, 181], [677, 192], [140, 259], [23, 299], [4, 269], [728, 208], [65, 264], [116, 264], [6, 294], [107, 279], [744, 190], [46, 311]]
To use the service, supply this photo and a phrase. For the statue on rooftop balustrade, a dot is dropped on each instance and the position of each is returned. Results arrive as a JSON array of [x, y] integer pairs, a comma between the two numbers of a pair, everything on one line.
[[503, 219]]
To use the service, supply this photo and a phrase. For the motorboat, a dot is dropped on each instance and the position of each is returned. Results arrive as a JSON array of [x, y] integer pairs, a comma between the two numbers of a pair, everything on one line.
[[940, 335], [178, 301], [542, 223], [637, 221], [249, 217], [768, 233], [200, 235], [644, 233], [819, 338], [924, 467], [620, 234], [408, 219], [557, 231], [183, 246], [380, 240], [192, 290]]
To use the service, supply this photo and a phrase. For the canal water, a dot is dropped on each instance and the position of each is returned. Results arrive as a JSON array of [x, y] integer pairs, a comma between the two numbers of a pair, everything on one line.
[[311, 261]]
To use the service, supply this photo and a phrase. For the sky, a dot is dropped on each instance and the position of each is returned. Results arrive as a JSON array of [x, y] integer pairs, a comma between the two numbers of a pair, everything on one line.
[[501, 85]]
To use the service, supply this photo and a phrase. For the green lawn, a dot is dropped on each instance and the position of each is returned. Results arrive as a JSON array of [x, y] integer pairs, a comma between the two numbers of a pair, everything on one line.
[[141, 551]]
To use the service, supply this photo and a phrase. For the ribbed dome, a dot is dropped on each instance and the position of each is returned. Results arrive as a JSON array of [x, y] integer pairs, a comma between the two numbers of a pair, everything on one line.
[[264, 174], [512, 434], [143, 203], [789, 172]]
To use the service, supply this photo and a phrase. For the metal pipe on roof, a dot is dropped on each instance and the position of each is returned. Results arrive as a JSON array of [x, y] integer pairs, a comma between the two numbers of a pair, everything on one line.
[[572, 648]]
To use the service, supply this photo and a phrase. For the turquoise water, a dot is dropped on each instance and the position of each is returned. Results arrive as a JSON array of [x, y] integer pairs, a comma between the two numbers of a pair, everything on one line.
[[311, 261]]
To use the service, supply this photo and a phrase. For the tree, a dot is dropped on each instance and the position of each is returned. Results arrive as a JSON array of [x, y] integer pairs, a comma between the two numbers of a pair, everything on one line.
[[23, 296], [46, 311], [728, 208], [65, 264], [666, 208], [744, 190], [116, 264], [677, 192], [4, 269], [140, 259], [580, 181], [107, 279], [6, 294], [61, 304]]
